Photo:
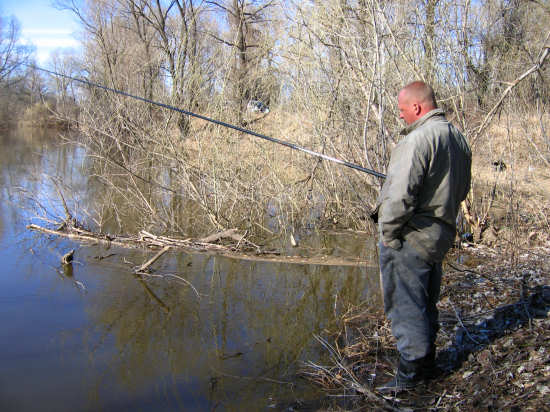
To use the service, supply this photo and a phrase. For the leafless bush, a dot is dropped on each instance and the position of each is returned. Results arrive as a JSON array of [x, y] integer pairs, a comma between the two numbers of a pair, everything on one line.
[[330, 72]]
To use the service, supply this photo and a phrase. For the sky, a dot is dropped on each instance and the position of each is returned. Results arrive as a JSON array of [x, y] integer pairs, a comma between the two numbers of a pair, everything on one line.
[[42, 25]]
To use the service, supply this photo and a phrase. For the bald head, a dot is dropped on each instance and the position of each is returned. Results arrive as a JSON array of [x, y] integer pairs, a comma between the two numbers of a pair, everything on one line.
[[415, 100], [421, 92]]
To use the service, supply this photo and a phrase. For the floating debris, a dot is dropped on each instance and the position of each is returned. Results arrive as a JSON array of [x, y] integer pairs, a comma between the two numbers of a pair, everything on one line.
[[67, 258]]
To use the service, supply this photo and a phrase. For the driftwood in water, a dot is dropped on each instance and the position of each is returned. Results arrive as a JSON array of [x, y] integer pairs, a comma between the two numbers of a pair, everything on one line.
[[230, 233], [149, 240], [144, 267], [239, 249], [67, 258]]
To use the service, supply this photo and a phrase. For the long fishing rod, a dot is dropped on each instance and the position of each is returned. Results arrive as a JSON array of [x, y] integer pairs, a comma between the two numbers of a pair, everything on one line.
[[219, 122]]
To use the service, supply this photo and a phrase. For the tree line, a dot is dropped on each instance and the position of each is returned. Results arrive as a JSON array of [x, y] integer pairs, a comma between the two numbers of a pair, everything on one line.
[[329, 70]]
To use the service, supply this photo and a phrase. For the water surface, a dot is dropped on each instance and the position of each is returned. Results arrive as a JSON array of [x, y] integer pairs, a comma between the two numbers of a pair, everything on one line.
[[95, 337]]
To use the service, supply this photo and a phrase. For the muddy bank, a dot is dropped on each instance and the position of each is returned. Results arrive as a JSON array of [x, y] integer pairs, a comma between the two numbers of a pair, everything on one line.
[[493, 346]]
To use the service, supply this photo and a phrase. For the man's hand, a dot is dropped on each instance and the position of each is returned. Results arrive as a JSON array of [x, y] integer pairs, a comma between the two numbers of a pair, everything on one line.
[[394, 244]]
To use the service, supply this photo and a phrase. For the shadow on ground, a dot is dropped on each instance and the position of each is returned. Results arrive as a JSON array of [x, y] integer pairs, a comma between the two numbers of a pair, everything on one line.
[[478, 332], [475, 366]]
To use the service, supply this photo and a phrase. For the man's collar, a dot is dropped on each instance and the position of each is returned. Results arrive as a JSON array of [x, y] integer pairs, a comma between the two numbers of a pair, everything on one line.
[[422, 120]]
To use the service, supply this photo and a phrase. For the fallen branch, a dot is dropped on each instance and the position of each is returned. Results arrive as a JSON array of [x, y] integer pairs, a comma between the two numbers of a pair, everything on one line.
[[67, 258], [229, 233], [146, 265], [145, 239], [75, 236]]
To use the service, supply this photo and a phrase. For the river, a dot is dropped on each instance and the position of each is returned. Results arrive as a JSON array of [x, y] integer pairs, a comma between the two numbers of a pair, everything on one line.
[[96, 338]]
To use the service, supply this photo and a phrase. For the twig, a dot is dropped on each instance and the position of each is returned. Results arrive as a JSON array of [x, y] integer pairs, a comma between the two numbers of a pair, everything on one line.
[[143, 267], [467, 270], [186, 282], [69, 216], [462, 324], [259, 378], [352, 381], [240, 240], [439, 400]]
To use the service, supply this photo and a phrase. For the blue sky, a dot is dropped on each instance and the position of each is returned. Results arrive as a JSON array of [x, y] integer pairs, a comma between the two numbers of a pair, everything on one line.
[[42, 25]]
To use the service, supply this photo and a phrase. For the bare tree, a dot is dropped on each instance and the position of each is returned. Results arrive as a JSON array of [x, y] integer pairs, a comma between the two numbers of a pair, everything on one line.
[[65, 92], [250, 44], [172, 28], [12, 54], [14, 58], [336, 65]]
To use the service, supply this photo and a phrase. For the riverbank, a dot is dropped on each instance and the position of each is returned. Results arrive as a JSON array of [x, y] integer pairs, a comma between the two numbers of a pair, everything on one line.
[[493, 346], [501, 281], [494, 342]]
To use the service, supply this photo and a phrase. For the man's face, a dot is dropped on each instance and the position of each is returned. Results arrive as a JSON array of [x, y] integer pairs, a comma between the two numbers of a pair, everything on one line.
[[408, 109]]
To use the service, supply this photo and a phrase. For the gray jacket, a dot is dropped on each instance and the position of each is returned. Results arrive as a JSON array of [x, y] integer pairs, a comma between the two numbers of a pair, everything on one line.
[[428, 176]]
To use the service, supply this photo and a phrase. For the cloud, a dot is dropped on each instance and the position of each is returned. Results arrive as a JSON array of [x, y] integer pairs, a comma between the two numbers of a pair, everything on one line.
[[46, 32], [54, 42], [49, 37], [43, 26], [47, 40]]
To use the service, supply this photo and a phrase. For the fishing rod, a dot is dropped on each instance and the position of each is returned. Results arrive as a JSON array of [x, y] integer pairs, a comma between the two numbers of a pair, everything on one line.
[[219, 122]]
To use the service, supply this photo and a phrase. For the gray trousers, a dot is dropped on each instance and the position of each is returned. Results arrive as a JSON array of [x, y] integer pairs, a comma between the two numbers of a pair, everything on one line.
[[410, 286]]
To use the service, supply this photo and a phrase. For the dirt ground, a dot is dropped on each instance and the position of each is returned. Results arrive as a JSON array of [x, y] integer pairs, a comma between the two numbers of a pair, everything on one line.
[[495, 337], [493, 346]]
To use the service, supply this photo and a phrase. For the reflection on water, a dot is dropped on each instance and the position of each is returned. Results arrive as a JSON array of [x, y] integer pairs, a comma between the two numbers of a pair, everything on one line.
[[94, 337]]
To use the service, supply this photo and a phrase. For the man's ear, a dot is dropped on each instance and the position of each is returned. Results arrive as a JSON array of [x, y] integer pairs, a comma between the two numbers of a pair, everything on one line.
[[417, 108]]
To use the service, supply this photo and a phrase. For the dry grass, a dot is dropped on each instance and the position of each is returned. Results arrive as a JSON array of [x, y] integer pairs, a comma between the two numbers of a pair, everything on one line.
[[511, 182], [42, 115]]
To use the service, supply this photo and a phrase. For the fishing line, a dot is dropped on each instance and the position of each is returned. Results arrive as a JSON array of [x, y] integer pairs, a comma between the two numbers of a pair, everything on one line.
[[220, 123]]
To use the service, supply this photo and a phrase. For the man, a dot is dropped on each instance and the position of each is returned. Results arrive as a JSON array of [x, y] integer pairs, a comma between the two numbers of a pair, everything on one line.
[[428, 177]]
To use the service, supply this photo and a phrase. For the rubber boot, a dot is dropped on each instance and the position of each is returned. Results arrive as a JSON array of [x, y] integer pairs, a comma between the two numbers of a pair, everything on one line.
[[429, 360], [409, 375], [430, 368]]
